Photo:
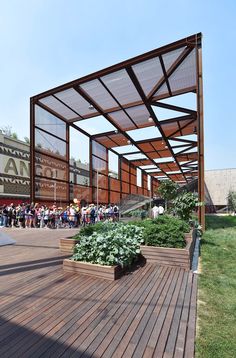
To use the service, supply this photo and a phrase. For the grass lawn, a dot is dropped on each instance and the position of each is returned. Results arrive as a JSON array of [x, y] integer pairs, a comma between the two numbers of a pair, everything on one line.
[[216, 327]]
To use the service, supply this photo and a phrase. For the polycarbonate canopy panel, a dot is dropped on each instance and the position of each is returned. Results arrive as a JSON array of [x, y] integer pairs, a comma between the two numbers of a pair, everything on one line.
[[126, 97], [76, 102]]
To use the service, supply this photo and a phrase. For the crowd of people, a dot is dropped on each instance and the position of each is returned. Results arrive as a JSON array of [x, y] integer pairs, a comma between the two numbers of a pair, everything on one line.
[[42, 216]]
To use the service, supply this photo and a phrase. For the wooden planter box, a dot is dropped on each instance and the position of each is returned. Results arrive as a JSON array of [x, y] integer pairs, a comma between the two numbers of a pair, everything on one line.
[[67, 245], [171, 256], [86, 268]]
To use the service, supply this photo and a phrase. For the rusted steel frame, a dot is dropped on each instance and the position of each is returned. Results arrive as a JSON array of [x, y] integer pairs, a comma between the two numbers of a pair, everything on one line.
[[32, 150], [165, 74], [95, 105], [187, 41], [186, 149], [174, 108], [62, 118], [149, 107], [174, 93], [188, 141], [201, 184], [171, 70], [52, 135], [108, 111], [183, 127], [66, 105], [119, 104]]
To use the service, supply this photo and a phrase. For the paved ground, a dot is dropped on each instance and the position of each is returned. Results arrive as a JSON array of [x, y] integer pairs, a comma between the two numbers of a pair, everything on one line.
[[45, 312]]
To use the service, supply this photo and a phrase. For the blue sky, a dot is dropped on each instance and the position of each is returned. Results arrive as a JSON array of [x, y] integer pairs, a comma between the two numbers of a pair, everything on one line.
[[45, 43]]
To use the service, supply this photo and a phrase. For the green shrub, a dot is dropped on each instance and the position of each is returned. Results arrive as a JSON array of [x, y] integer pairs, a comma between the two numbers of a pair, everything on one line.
[[184, 205], [116, 245], [165, 231], [88, 230]]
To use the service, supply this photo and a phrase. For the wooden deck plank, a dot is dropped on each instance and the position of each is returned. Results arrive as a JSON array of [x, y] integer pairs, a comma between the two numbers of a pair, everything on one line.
[[119, 338], [170, 346], [115, 335], [46, 312], [73, 338], [123, 310], [137, 327], [180, 343], [51, 325], [189, 342]]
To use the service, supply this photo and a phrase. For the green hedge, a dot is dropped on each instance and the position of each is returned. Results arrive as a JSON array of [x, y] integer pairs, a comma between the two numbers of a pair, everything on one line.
[[165, 231]]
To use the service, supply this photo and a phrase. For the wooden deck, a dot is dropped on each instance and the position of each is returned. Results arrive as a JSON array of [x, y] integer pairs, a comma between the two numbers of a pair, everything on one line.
[[45, 312]]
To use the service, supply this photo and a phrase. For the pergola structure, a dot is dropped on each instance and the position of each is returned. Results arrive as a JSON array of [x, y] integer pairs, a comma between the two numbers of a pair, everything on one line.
[[128, 95]]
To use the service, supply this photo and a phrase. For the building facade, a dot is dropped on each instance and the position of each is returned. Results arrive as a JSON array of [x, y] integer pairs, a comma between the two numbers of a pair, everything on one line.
[[15, 171]]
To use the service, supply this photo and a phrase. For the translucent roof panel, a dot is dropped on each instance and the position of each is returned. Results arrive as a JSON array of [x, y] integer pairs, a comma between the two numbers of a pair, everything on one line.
[[58, 107], [161, 160], [75, 101], [140, 115], [169, 58], [154, 170], [99, 94], [162, 91], [170, 127], [135, 156], [148, 73], [123, 121], [144, 133], [185, 75], [148, 167], [121, 86], [126, 149], [113, 140], [95, 125]]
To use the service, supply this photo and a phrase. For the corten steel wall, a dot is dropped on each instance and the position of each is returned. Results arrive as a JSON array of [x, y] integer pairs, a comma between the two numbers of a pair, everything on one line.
[[50, 145]]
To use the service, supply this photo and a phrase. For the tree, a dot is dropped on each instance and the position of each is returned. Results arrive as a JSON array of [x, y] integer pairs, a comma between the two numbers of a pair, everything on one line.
[[26, 139], [232, 200], [7, 130], [167, 190], [184, 205], [14, 135]]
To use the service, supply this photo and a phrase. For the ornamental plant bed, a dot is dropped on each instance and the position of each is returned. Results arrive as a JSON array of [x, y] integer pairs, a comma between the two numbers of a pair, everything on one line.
[[67, 244], [106, 253], [95, 270], [171, 256]]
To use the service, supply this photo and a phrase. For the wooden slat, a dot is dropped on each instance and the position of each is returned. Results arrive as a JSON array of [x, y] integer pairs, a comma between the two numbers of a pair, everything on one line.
[[46, 312]]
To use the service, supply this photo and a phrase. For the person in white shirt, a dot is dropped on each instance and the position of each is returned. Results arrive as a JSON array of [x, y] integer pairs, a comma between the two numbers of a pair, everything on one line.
[[155, 212], [161, 209]]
